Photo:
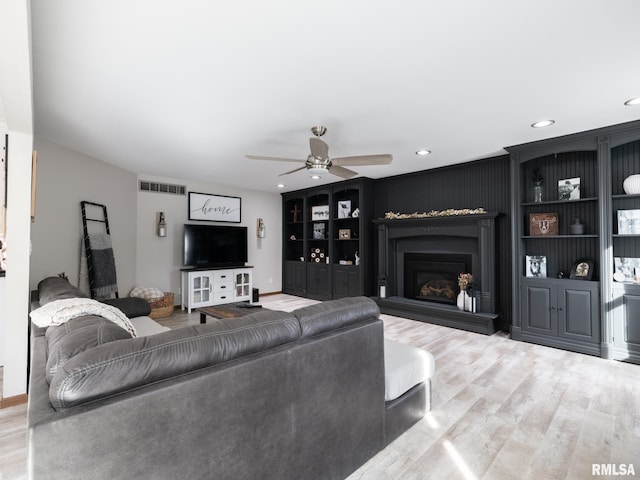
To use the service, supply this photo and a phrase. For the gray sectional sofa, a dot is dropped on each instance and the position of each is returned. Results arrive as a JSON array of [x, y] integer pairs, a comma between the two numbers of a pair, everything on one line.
[[270, 395]]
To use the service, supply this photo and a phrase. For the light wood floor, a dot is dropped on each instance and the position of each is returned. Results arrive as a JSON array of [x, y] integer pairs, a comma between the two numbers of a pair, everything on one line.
[[501, 410]]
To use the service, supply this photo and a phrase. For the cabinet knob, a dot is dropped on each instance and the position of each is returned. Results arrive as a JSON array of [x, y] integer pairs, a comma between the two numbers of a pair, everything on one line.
[[560, 308], [553, 307]]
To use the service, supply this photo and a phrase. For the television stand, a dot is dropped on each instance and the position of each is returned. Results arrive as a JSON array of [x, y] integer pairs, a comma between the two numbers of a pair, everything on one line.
[[203, 287]]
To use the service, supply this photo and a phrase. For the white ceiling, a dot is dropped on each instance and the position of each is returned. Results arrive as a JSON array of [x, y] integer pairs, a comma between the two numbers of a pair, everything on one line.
[[186, 89]]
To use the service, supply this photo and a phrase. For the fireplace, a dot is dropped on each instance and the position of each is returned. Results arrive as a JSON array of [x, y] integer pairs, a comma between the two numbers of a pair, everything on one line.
[[433, 277], [419, 260]]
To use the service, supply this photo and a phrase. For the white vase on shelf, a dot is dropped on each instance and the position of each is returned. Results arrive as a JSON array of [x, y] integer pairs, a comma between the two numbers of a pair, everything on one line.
[[631, 184]]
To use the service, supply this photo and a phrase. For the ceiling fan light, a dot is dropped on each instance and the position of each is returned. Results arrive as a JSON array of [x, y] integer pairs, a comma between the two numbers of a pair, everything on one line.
[[543, 123], [317, 170], [632, 101]]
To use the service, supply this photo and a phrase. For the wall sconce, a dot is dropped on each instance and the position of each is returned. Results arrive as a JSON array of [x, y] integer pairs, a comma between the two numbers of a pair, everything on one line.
[[261, 230], [161, 227]]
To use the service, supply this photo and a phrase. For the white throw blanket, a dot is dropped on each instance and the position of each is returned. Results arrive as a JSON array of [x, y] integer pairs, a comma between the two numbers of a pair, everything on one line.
[[61, 311]]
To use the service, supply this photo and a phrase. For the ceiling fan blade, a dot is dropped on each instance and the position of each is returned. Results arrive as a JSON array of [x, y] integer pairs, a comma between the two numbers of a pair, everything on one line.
[[341, 171], [319, 149], [382, 159], [294, 170], [276, 159]]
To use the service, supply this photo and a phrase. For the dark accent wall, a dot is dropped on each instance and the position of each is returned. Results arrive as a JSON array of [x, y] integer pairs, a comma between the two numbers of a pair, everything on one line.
[[482, 183]]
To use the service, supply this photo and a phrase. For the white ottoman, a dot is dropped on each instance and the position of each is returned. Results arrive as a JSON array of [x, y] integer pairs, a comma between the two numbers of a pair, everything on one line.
[[408, 372]]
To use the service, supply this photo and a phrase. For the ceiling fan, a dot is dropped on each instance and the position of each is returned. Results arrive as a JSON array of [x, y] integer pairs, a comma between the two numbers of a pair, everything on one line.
[[318, 161]]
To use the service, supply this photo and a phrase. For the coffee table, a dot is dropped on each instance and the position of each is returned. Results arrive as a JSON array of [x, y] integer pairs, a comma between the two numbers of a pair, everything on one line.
[[227, 310]]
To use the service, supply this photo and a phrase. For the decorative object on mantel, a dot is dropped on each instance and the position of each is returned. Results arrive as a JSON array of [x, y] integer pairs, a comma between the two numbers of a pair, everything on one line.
[[538, 180], [463, 300], [435, 213], [356, 213], [631, 184]]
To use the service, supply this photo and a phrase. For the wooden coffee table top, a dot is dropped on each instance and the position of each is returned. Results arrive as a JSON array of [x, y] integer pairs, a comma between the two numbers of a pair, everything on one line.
[[228, 310]]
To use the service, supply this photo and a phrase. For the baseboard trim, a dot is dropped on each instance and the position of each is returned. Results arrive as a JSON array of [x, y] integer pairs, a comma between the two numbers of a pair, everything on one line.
[[13, 401]]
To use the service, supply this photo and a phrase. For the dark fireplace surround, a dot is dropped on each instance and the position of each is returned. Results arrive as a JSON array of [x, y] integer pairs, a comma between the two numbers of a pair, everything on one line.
[[419, 260]]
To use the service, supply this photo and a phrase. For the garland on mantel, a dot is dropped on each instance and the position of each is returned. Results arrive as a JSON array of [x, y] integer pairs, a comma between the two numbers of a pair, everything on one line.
[[435, 213]]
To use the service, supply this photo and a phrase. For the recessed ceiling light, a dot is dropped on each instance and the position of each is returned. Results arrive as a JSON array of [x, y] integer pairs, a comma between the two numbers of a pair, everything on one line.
[[632, 101], [281, 185], [316, 177], [423, 152], [543, 123]]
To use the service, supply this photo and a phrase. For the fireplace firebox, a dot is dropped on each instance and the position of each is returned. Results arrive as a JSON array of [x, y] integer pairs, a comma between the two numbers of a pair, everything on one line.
[[433, 277]]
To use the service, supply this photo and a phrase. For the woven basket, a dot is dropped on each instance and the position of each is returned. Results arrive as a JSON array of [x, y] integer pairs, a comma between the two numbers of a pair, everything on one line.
[[162, 307]]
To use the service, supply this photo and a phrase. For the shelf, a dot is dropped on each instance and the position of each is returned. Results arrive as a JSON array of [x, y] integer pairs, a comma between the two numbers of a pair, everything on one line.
[[589, 235], [560, 202], [624, 195]]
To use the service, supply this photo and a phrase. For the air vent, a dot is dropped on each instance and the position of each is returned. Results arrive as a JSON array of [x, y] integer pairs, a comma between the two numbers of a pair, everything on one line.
[[146, 186]]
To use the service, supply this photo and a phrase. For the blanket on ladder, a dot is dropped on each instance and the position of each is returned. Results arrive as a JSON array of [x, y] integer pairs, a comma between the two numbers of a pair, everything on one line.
[[100, 265]]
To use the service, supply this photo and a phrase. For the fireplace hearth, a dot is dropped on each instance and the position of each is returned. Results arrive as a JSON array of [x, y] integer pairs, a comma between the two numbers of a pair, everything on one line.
[[419, 260]]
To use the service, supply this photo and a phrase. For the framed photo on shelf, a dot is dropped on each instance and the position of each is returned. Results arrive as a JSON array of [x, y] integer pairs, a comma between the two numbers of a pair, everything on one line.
[[344, 234], [569, 189], [628, 222], [543, 223], [582, 269], [536, 266], [319, 231], [344, 208], [625, 266], [320, 212]]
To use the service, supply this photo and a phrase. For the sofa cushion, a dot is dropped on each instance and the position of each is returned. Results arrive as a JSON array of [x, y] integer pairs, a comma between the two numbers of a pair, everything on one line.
[[57, 288], [334, 314], [131, 306], [77, 335], [405, 366], [120, 366]]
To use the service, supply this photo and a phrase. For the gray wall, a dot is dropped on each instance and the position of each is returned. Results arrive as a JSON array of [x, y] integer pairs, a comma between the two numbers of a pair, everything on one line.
[[64, 179]]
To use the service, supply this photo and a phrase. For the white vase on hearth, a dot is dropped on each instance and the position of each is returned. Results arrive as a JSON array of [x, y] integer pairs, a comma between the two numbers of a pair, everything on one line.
[[462, 300]]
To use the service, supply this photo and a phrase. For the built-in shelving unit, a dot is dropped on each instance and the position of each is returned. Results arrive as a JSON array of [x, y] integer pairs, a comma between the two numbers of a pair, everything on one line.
[[327, 237], [566, 307]]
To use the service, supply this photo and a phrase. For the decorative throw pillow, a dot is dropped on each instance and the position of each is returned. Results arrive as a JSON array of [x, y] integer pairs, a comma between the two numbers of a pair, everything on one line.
[[148, 293]]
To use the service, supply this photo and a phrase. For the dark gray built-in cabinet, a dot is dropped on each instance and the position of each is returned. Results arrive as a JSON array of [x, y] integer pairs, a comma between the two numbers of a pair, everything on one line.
[[327, 238], [576, 304]]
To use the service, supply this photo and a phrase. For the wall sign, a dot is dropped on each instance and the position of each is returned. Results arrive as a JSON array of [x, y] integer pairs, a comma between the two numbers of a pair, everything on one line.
[[214, 208]]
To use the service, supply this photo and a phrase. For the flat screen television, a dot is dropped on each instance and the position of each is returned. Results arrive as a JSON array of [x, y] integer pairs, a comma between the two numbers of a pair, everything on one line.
[[214, 246]]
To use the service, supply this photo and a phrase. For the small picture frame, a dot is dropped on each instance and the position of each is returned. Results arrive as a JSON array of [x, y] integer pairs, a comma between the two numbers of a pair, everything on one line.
[[543, 224], [626, 266], [536, 266], [582, 269], [628, 222], [319, 231], [569, 189], [344, 208], [344, 234], [320, 212]]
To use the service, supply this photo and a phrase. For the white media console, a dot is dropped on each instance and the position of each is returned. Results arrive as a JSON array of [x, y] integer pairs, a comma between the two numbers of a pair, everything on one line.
[[202, 288]]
